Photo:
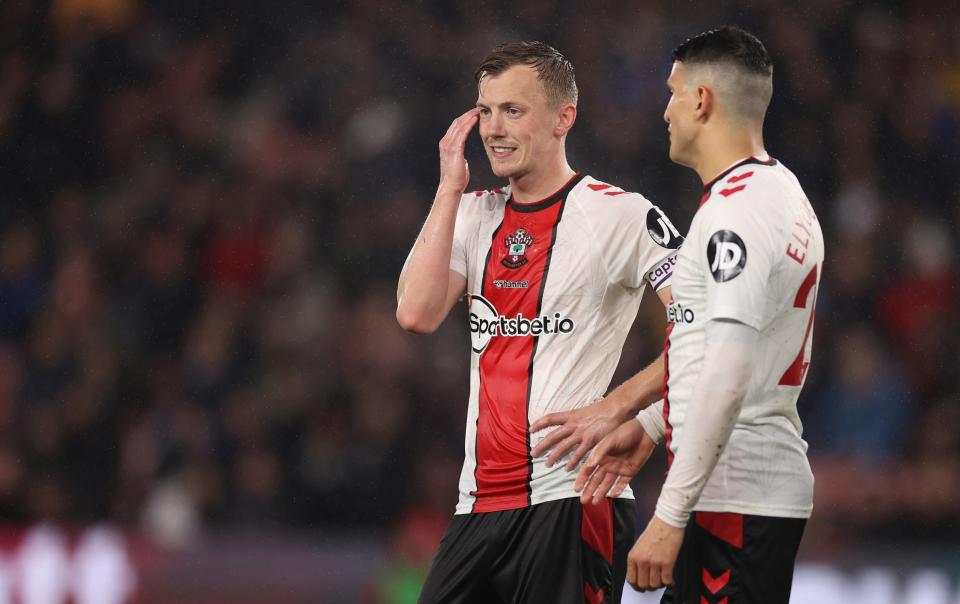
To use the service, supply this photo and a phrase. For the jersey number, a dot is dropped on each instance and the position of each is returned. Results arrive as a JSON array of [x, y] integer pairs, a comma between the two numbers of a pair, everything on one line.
[[795, 373]]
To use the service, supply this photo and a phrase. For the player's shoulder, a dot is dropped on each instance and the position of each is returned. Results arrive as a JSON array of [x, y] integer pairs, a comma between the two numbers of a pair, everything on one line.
[[484, 200], [751, 179], [607, 198]]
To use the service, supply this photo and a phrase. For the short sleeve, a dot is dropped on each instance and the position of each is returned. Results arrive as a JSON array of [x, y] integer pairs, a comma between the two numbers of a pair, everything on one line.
[[463, 227], [643, 245], [737, 252]]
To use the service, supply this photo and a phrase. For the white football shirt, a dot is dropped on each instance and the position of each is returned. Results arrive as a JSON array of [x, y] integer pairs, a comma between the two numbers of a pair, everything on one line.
[[553, 289], [754, 254]]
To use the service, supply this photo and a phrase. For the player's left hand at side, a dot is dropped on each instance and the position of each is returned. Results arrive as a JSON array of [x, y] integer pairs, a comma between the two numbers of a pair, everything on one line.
[[579, 430], [614, 462], [652, 558]]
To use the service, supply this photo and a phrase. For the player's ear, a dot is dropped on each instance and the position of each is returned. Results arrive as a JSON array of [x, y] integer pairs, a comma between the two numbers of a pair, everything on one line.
[[565, 119], [705, 103]]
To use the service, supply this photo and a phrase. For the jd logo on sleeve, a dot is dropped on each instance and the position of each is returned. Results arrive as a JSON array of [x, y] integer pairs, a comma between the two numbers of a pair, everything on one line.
[[726, 255]]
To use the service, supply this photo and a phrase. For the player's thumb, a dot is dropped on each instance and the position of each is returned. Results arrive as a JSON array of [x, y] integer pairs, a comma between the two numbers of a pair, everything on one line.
[[601, 450]]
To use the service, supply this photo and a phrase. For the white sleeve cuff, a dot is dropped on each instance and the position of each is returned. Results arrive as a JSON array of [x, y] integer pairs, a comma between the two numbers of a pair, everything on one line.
[[652, 421]]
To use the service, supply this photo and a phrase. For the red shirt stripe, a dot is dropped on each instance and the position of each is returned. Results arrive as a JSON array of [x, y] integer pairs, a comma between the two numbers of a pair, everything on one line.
[[503, 457]]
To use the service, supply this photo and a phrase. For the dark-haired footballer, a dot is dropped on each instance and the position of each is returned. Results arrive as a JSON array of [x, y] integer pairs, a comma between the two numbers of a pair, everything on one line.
[[739, 489], [554, 265]]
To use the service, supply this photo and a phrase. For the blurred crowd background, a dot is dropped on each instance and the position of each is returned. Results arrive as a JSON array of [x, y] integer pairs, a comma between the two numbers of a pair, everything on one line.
[[204, 208]]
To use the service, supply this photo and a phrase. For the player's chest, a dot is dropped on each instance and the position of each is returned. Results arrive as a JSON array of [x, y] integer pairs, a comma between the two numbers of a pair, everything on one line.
[[538, 255]]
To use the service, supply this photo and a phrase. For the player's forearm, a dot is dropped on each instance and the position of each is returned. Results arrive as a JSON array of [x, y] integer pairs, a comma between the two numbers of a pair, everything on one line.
[[639, 392], [710, 418], [422, 289]]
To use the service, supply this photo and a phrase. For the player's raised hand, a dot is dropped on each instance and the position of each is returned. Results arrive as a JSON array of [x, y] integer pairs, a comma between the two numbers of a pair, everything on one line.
[[652, 558], [454, 172], [579, 430], [614, 462]]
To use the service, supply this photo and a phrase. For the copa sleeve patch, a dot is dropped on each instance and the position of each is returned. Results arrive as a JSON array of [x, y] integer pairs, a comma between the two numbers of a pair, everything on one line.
[[726, 255]]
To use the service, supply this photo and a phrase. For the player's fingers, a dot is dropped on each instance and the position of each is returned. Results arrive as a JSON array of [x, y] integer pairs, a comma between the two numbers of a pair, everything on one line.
[[550, 419], [464, 124], [601, 493], [561, 450], [470, 113], [591, 486], [449, 133], [622, 482], [667, 575], [603, 447], [632, 573], [586, 472], [452, 128], [550, 440], [459, 128], [577, 455], [655, 581], [642, 575]]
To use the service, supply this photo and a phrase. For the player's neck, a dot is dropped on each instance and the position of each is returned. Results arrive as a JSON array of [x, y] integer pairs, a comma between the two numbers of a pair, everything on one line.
[[727, 148], [537, 185]]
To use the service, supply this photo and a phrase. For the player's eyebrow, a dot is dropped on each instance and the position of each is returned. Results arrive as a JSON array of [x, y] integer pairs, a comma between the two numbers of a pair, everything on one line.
[[502, 105]]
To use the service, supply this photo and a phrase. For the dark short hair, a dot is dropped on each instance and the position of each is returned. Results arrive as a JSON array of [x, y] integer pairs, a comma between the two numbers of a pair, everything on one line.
[[554, 71], [728, 44]]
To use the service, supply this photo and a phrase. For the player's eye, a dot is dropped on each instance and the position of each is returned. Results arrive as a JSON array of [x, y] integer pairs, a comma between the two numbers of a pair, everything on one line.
[[484, 111], [513, 112]]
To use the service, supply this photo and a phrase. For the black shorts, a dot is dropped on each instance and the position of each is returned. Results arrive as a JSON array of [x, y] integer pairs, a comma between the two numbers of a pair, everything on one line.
[[735, 559], [557, 552]]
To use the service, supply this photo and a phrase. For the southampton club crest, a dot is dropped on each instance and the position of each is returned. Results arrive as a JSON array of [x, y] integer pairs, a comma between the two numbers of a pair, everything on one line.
[[517, 244]]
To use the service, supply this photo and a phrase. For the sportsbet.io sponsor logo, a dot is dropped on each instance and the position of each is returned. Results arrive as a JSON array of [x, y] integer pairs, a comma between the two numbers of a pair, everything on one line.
[[676, 313], [486, 322]]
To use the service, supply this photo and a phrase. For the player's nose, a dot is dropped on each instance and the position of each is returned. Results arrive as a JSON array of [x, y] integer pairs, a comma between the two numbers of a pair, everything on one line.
[[495, 124]]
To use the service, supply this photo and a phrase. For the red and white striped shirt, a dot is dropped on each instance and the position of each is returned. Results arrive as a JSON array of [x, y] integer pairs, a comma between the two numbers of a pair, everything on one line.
[[554, 287]]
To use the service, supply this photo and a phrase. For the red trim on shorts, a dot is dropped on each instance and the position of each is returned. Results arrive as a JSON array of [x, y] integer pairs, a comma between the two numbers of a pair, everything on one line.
[[714, 584], [593, 597], [727, 526], [596, 528]]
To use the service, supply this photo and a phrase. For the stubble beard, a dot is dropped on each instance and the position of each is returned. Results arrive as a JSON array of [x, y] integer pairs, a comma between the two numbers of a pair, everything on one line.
[[505, 171]]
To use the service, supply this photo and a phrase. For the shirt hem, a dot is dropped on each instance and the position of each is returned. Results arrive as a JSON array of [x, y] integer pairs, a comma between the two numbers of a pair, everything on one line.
[[740, 507], [466, 507]]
